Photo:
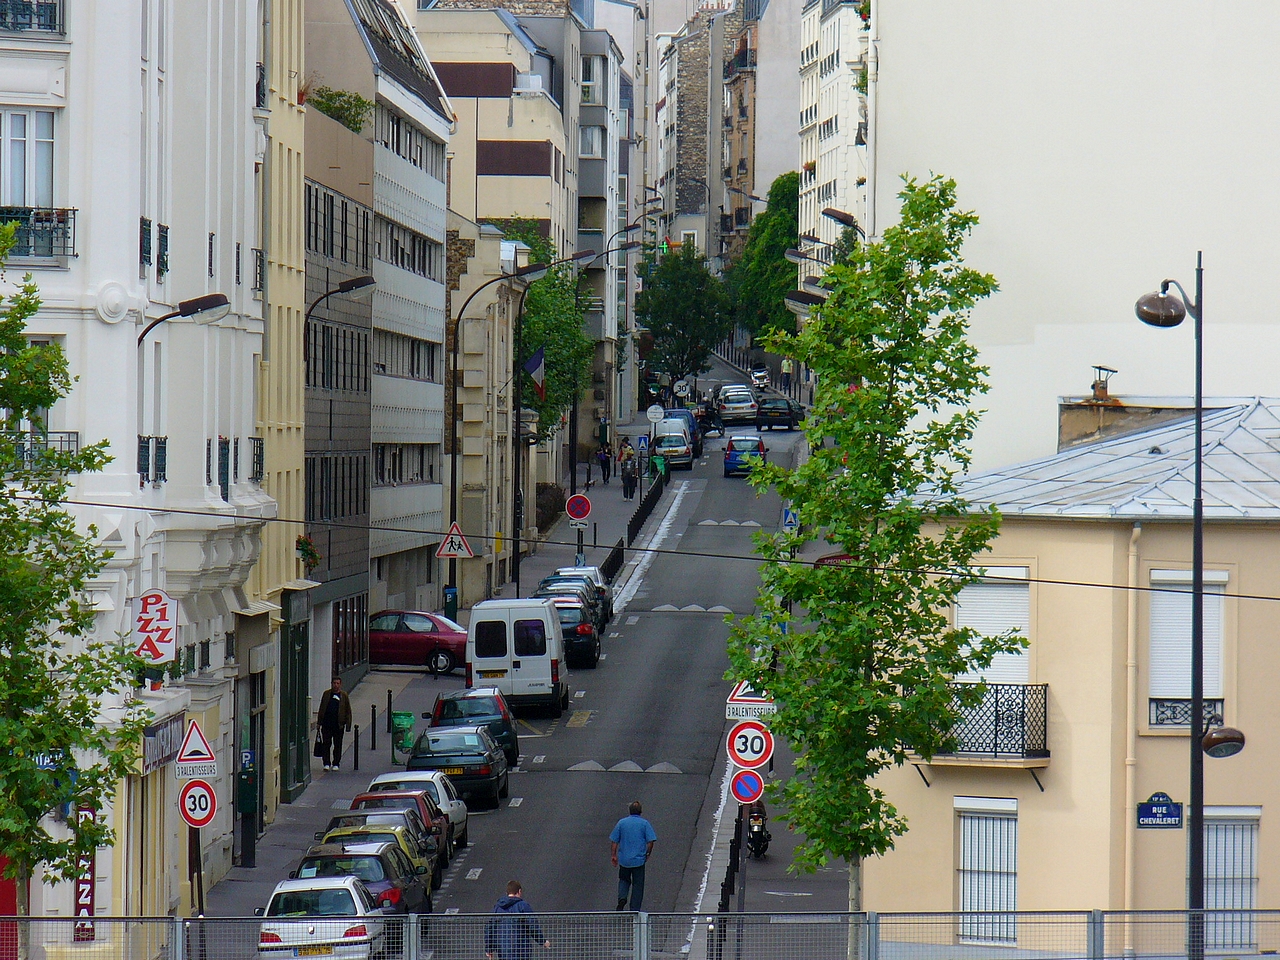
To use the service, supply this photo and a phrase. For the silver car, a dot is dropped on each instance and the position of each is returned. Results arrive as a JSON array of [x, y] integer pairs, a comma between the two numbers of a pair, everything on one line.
[[737, 405], [596, 577], [323, 917]]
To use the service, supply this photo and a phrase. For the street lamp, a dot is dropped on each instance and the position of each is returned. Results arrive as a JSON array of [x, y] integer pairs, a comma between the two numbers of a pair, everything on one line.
[[209, 308], [845, 219], [1161, 310], [749, 196], [528, 273], [517, 425], [795, 256], [802, 302], [345, 286]]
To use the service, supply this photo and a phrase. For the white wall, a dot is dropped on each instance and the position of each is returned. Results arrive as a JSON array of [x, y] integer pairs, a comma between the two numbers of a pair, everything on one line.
[[1101, 145], [777, 140]]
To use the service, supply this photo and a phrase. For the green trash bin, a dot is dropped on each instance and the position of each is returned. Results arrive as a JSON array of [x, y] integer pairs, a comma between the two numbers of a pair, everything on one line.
[[659, 466], [401, 733]]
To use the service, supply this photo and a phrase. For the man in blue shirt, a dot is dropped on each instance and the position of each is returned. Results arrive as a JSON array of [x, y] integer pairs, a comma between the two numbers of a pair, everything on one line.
[[630, 845]]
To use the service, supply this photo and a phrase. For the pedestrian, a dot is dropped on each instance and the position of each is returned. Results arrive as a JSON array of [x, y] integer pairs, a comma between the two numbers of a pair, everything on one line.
[[333, 719], [786, 374], [630, 845], [510, 933], [605, 456], [629, 468]]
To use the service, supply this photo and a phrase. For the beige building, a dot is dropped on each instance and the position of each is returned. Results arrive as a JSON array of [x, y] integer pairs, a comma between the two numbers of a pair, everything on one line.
[[1039, 807]]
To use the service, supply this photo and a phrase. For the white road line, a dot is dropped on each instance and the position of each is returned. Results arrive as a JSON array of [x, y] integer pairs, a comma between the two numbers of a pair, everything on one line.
[[451, 911], [614, 636], [474, 872], [633, 583], [579, 694], [516, 801], [715, 834], [540, 758]]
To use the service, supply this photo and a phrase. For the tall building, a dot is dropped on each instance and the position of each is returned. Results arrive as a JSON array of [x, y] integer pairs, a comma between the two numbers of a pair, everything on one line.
[[368, 47]]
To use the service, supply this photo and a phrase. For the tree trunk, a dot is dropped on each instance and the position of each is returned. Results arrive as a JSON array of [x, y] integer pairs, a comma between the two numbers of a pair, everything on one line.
[[856, 923], [22, 887]]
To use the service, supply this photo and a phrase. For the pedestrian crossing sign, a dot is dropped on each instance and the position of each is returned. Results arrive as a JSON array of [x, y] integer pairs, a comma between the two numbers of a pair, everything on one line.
[[454, 545], [642, 443]]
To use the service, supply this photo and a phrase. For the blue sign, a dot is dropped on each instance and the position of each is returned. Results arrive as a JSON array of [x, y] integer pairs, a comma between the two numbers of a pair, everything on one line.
[[790, 521], [642, 443], [246, 759], [1160, 813]]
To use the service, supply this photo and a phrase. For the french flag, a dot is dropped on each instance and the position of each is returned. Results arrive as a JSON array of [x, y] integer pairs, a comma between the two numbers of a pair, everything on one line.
[[536, 367]]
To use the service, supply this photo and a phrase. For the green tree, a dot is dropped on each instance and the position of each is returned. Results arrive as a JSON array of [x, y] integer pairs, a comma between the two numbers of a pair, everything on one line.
[[349, 109], [553, 309], [69, 730], [864, 680], [686, 310], [761, 278]]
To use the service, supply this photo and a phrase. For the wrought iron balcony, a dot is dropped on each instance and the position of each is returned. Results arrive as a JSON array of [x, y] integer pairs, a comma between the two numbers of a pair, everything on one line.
[[260, 87], [1010, 722], [256, 459], [30, 445], [42, 231], [153, 459], [20, 16], [1175, 712]]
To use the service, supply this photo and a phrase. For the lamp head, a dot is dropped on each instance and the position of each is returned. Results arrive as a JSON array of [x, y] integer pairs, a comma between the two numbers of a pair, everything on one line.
[[839, 216], [210, 308], [629, 245], [583, 255], [632, 226], [1160, 309], [810, 238], [1223, 742], [355, 283], [531, 272], [794, 255]]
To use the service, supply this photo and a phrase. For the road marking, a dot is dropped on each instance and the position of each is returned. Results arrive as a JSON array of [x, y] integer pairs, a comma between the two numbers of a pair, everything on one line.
[[664, 767], [666, 608], [540, 758], [614, 636], [651, 548], [451, 911], [787, 893], [632, 621], [749, 523], [732, 523], [719, 608], [626, 766], [579, 694], [693, 608], [604, 656], [708, 523], [587, 765], [537, 734], [474, 873], [516, 801], [579, 718], [715, 833]]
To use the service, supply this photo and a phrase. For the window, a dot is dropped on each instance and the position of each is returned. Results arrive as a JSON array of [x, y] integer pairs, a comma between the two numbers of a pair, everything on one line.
[[690, 237], [591, 142], [593, 72], [397, 463], [409, 250], [1230, 876], [491, 639], [405, 140], [988, 869], [993, 608], [1169, 686], [396, 355], [531, 639], [26, 158]]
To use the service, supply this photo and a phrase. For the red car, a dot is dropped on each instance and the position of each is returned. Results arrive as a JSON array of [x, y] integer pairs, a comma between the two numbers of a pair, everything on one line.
[[417, 639]]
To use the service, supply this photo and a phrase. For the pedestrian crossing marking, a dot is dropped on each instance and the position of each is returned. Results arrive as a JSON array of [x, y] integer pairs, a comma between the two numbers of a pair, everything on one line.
[[474, 873], [516, 801], [663, 767], [632, 621], [540, 758]]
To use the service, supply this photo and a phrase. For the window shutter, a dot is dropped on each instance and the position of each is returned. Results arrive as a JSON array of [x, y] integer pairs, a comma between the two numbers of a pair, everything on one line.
[[988, 877], [992, 609], [1170, 669]]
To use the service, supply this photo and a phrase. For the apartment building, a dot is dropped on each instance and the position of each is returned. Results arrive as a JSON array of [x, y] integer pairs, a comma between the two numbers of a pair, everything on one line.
[[1040, 807], [369, 47]]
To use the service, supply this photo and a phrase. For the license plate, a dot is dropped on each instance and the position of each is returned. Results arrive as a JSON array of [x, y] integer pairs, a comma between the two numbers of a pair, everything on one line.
[[492, 674], [317, 950], [453, 771]]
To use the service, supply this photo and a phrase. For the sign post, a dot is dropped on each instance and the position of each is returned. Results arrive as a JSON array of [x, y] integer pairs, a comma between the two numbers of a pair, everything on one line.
[[578, 507], [198, 805]]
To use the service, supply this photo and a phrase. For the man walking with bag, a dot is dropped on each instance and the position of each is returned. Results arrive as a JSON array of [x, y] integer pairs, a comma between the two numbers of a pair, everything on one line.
[[630, 845], [509, 934], [333, 719]]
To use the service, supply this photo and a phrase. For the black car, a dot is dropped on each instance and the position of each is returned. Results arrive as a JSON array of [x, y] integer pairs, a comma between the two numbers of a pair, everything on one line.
[[383, 867], [777, 412], [479, 706], [469, 755], [581, 638], [577, 589]]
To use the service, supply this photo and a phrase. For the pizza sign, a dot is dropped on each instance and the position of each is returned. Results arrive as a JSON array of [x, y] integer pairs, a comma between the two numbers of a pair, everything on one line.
[[155, 627]]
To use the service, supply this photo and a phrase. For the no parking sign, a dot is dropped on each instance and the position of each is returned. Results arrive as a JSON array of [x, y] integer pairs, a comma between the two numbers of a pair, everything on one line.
[[747, 786]]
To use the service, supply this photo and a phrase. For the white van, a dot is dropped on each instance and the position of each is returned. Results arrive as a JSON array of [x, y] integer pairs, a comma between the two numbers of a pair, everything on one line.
[[515, 645]]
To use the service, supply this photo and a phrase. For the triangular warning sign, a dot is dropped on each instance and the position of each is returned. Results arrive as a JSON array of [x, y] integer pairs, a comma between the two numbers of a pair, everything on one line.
[[195, 748], [454, 545], [743, 692]]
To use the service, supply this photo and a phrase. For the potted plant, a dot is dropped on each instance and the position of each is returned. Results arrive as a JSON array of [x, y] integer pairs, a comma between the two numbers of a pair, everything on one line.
[[307, 552]]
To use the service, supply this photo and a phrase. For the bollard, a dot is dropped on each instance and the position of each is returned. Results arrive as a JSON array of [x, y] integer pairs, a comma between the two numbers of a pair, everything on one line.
[[388, 711], [355, 750], [373, 727], [595, 534]]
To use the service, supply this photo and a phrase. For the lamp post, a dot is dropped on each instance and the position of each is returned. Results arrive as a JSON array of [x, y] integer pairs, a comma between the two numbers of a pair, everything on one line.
[[209, 308], [517, 499], [345, 286], [529, 274], [1161, 310]]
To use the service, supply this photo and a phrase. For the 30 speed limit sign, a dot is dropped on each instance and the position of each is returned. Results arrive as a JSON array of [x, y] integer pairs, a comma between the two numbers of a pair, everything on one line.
[[197, 803], [750, 744]]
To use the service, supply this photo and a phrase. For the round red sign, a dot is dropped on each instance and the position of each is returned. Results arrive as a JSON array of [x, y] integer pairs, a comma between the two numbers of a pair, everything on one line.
[[198, 803], [750, 744], [578, 507]]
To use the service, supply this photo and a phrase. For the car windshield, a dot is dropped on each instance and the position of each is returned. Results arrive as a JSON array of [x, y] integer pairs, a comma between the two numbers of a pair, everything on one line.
[[368, 869], [776, 404], [671, 440], [336, 902], [371, 816], [425, 785], [450, 743], [388, 803], [468, 707], [365, 836], [744, 446], [570, 615]]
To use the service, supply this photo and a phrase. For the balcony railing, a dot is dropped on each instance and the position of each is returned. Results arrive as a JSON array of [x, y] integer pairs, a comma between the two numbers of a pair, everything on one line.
[[260, 87], [256, 459], [153, 459], [1009, 722], [30, 445], [742, 60], [1177, 712], [42, 231], [23, 15]]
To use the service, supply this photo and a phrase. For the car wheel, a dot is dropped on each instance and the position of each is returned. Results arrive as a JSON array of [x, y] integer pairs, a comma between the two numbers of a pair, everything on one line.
[[446, 851], [440, 661], [557, 708], [437, 876], [504, 791], [726, 473]]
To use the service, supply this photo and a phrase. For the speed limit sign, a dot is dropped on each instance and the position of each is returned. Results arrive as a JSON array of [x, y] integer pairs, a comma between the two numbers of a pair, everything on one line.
[[750, 744], [198, 803]]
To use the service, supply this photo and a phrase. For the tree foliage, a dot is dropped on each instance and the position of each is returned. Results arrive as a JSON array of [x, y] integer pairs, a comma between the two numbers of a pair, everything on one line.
[[349, 109], [553, 311], [761, 278], [864, 680], [69, 731], [686, 310]]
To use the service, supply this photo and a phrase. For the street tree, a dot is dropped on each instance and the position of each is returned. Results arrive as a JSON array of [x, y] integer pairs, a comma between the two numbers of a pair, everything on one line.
[[864, 680], [553, 314], [70, 728], [761, 277], [685, 309]]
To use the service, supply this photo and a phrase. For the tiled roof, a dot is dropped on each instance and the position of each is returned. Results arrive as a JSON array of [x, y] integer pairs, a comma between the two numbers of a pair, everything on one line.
[[1150, 475]]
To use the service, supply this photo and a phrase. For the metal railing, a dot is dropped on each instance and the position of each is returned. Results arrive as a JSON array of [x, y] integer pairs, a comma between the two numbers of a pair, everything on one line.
[[1011, 720], [30, 445], [647, 503], [23, 15], [257, 456], [260, 87], [1177, 712], [42, 231], [720, 935], [612, 565]]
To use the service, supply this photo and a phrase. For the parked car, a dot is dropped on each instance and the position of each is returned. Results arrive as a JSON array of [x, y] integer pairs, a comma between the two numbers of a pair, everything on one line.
[[581, 638], [737, 405], [738, 454], [392, 833], [553, 587], [482, 706], [688, 417], [472, 759], [595, 576], [601, 600], [324, 916], [417, 639], [382, 867], [777, 412], [438, 787], [438, 823], [760, 374], [676, 447], [515, 645]]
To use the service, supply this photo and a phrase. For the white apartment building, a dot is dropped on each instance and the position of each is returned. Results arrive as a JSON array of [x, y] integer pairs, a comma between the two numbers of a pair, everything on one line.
[[1095, 174], [112, 129]]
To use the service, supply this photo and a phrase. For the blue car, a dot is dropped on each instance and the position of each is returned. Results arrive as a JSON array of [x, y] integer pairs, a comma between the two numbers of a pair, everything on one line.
[[739, 453]]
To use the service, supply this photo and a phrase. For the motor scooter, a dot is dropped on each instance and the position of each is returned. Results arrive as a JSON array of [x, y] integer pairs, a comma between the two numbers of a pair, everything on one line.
[[760, 377], [758, 835]]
